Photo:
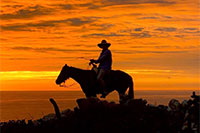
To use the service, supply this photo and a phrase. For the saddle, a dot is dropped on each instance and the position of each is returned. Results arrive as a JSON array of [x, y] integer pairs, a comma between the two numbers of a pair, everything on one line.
[[96, 70]]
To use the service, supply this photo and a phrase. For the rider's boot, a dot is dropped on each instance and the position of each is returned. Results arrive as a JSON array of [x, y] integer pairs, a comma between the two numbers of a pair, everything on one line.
[[103, 88]]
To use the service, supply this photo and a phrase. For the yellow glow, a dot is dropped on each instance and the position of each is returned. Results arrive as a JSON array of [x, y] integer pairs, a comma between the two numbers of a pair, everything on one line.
[[27, 75]]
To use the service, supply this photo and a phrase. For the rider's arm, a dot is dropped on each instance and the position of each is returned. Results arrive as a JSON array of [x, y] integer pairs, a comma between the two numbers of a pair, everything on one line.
[[102, 57]]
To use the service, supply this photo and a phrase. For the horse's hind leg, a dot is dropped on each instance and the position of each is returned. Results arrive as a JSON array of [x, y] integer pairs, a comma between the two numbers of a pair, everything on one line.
[[121, 97]]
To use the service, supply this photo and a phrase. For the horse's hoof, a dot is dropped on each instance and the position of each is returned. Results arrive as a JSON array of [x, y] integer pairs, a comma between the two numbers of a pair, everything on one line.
[[103, 96]]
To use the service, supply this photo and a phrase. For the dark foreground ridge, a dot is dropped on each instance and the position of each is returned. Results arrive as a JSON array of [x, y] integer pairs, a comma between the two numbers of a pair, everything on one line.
[[96, 116]]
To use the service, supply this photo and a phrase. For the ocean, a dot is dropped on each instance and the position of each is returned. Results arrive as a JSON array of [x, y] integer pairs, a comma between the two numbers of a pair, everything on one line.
[[27, 105]]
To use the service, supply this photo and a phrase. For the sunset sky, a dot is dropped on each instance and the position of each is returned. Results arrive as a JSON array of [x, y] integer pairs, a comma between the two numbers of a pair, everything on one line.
[[155, 41]]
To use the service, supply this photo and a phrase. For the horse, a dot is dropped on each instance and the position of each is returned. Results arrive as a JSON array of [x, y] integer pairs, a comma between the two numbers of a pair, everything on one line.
[[115, 80]]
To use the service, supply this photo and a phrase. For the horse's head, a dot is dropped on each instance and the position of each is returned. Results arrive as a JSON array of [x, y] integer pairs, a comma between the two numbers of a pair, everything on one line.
[[64, 75]]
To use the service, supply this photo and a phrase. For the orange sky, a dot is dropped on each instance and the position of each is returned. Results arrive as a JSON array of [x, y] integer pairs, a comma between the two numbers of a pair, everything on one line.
[[156, 41]]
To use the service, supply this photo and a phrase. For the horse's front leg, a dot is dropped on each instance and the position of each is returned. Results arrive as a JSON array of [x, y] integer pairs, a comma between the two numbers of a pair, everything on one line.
[[121, 95], [123, 98]]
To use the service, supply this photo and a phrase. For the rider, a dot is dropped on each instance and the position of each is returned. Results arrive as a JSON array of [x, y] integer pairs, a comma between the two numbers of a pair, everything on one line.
[[105, 60]]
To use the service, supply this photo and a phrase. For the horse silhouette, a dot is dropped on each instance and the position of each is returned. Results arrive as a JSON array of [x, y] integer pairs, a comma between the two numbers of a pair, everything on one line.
[[115, 80]]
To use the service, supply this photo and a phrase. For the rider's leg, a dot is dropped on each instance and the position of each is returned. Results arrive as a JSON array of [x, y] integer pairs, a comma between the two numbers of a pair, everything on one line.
[[101, 82], [100, 78]]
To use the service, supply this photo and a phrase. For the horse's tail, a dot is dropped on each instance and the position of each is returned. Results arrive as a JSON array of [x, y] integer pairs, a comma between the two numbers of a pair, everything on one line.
[[131, 87]]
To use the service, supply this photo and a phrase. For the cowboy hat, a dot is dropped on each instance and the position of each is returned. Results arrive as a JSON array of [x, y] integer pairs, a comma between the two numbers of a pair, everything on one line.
[[103, 42]]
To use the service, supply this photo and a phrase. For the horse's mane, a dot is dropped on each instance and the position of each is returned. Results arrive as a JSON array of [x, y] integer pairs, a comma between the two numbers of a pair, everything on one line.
[[77, 69]]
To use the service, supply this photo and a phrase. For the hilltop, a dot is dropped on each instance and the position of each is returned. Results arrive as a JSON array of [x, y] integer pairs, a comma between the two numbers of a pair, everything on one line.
[[93, 115]]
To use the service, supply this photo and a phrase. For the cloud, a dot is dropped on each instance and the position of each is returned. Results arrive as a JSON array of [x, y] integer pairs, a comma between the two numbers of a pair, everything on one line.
[[78, 21], [166, 29], [150, 46], [49, 23], [17, 27], [138, 29], [180, 36], [131, 30], [191, 29], [103, 26], [141, 35], [18, 58], [78, 6], [53, 49], [50, 49], [149, 18], [66, 6], [90, 5], [154, 16], [142, 52], [144, 34], [106, 3], [12, 6], [103, 35], [28, 12], [22, 48], [128, 2]]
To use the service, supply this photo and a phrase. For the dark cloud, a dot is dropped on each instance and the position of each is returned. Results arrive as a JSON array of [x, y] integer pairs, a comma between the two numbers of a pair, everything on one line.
[[79, 6], [90, 5], [154, 16], [22, 48], [53, 49], [28, 12], [160, 46], [104, 26], [126, 31], [144, 52], [127, 2], [50, 23], [106, 3], [149, 46], [27, 26], [46, 58], [141, 35], [149, 18], [168, 17], [78, 21], [144, 34], [17, 27], [103, 35], [50, 49], [12, 6], [67, 58], [66, 6], [18, 58], [56, 37], [191, 29], [180, 36], [138, 29], [131, 30], [166, 29]]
